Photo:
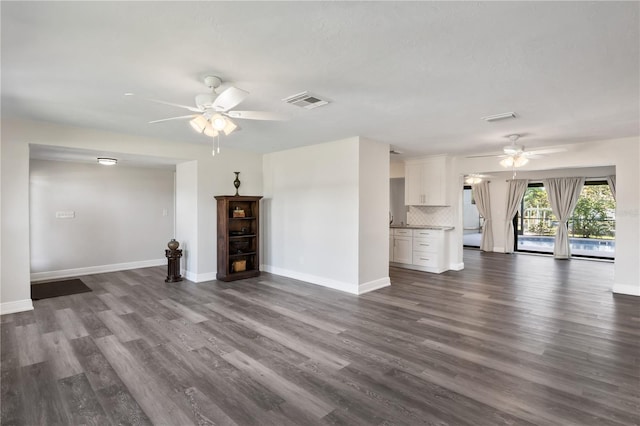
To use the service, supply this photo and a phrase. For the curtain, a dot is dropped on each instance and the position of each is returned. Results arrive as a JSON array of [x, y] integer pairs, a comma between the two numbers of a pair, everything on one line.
[[611, 180], [563, 196], [516, 190], [480, 193]]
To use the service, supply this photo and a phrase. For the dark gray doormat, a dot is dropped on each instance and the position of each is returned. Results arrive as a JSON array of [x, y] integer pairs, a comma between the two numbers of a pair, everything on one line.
[[57, 288]]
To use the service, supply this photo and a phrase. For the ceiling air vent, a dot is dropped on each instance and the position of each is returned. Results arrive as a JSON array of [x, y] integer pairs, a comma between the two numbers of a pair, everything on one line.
[[305, 100]]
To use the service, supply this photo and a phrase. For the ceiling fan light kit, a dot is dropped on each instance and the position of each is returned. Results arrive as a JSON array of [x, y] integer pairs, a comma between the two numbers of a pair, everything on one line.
[[210, 131], [199, 123], [213, 111], [514, 161], [516, 156]]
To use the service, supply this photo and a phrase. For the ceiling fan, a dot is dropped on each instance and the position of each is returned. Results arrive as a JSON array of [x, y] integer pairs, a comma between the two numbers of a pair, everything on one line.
[[514, 156], [212, 112]]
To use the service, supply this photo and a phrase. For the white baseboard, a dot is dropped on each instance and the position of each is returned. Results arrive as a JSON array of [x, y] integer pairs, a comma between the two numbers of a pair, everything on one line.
[[17, 306], [313, 279], [430, 269], [199, 278], [456, 266], [374, 285], [100, 269], [629, 289]]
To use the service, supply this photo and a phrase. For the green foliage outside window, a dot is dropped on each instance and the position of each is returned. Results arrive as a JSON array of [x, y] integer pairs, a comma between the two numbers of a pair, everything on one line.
[[594, 212], [593, 217]]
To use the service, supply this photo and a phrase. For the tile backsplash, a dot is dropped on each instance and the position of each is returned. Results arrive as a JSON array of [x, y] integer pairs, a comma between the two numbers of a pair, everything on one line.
[[421, 215]]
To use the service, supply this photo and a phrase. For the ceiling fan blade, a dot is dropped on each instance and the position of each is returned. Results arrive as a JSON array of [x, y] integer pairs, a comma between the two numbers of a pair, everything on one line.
[[187, 107], [257, 115], [484, 156], [545, 151], [182, 117], [229, 98]]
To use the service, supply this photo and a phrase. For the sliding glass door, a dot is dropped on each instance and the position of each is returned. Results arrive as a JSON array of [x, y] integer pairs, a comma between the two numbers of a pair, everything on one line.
[[591, 228]]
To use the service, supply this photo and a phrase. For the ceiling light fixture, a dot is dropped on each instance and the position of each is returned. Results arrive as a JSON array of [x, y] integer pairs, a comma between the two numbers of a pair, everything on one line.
[[107, 161], [514, 161], [472, 180], [218, 122], [213, 125], [496, 117], [515, 155], [199, 123]]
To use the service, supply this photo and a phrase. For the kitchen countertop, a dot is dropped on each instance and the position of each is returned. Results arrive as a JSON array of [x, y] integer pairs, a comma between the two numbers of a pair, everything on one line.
[[444, 228]]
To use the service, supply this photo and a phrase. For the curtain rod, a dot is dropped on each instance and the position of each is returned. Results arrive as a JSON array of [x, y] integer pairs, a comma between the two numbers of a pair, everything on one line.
[[538, 180]]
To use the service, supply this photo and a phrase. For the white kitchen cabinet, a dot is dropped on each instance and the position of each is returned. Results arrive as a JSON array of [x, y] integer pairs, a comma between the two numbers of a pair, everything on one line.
[[427, 251], [426, 181], [402, 246], [430, 249]]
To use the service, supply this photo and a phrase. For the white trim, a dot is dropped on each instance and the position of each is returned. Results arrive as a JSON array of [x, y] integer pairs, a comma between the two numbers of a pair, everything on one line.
[[456, 266], [629, 289], [191, 276], [430, 269], [65, 273], [374, 285], [312, 279], [16, 306], [199, 278]]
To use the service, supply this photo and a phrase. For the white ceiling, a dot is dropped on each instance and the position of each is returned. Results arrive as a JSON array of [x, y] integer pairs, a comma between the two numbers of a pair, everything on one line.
[[416, 75]]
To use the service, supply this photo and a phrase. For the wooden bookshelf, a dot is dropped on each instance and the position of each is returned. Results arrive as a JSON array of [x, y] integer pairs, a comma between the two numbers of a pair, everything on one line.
[[238, 237]]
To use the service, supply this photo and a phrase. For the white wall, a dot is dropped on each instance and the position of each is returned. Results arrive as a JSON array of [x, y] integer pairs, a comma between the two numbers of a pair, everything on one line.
[[312, 214], [122, 215], [187, 216], [396, 169], [215, 177], [623, 154], [15, 290], [373, 215]]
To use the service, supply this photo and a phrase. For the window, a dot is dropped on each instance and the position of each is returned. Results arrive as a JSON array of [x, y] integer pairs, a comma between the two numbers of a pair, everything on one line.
[[591, 228]]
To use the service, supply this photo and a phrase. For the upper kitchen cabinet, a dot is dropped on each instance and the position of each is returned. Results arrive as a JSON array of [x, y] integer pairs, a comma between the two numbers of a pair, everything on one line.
[[426, 181]]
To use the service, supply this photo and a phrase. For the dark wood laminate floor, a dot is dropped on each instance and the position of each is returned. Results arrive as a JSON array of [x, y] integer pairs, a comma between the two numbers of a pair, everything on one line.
[[512, 339]]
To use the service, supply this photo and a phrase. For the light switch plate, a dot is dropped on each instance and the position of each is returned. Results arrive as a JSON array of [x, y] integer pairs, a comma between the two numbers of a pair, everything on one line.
[[65, 214]]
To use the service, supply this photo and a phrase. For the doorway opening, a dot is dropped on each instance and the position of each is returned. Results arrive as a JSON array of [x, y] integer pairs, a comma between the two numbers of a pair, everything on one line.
[[472, 221]]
